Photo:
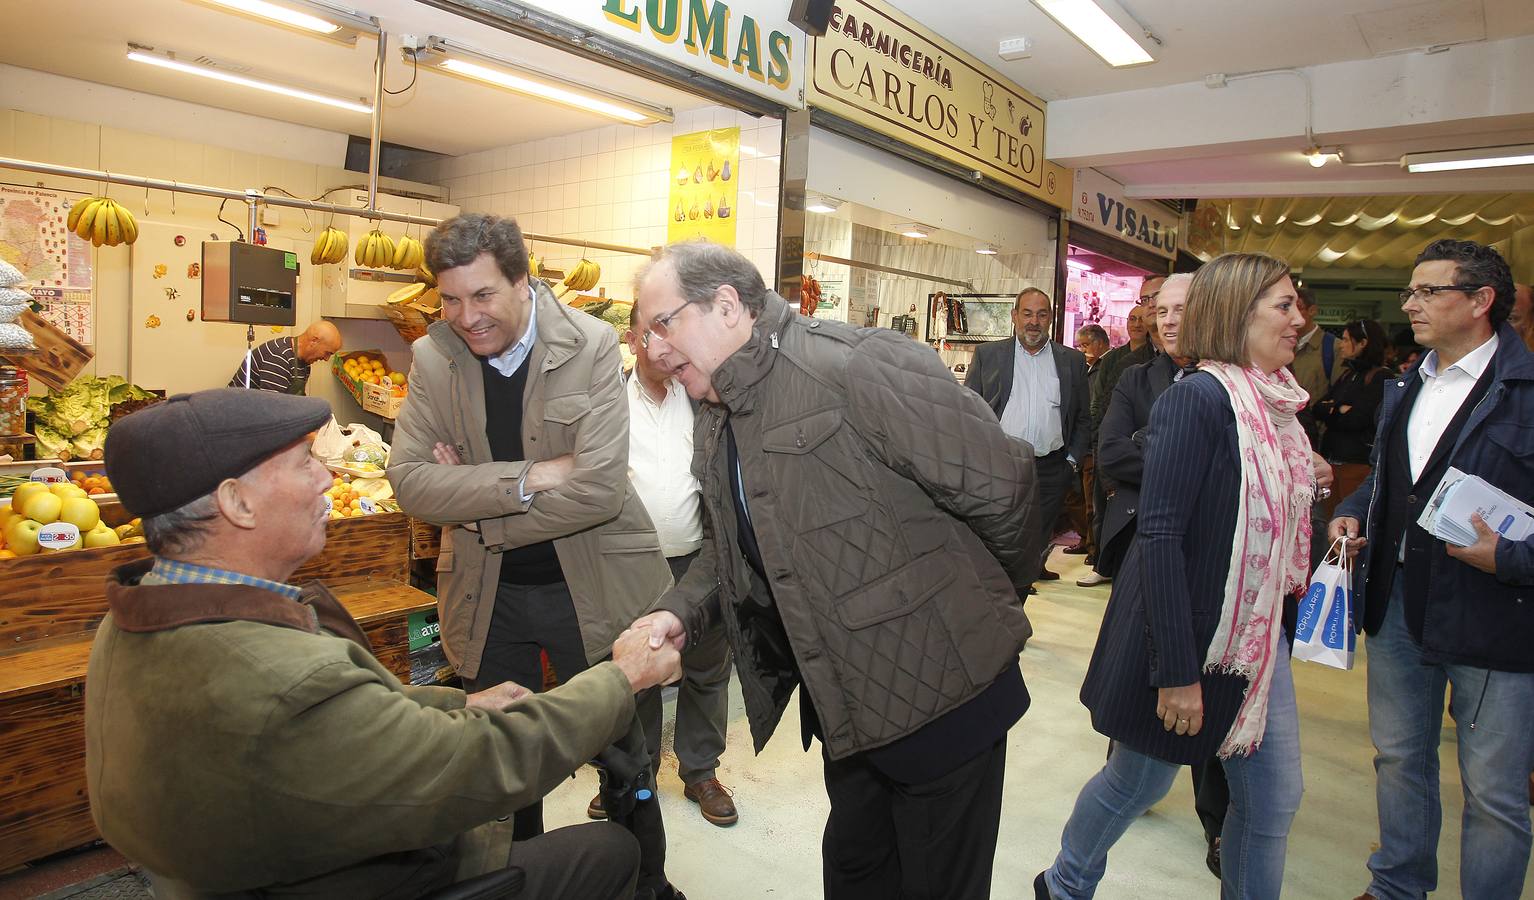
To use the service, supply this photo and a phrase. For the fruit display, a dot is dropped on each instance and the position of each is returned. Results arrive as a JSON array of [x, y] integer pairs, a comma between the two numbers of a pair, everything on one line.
[[103, 222], [34, 517], [370, 370], [347, 496], [71, 423], [583, 277], [375, 250], [93, 483], [329, 247], [409, 254]]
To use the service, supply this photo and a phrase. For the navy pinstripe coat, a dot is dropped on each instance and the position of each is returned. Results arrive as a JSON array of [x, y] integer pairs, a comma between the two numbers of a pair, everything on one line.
[[1167, 598]]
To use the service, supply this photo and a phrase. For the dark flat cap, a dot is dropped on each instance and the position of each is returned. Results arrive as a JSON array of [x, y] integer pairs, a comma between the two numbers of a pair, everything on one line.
[[167, 455]]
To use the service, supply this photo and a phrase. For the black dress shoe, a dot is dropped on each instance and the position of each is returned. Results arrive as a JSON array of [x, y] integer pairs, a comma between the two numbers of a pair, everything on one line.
[[1046, 575], [1075, 549], [1041, 889], [1213, 859]]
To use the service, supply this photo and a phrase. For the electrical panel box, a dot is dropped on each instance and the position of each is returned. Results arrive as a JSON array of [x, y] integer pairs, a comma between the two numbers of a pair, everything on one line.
[[249, 284]]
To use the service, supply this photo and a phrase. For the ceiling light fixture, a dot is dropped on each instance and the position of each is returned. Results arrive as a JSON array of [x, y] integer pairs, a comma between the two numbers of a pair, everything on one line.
[[1479, 158], [310, 17], [823, 205], [466, 63], [914, 230], [168, 61], [1094, 23], [1317, 157], [987, 250], [1078, 266]]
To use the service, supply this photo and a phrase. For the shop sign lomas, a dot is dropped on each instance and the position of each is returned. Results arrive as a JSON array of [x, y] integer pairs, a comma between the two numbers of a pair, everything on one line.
[[1101, 205], [746, 43], [878, 68]]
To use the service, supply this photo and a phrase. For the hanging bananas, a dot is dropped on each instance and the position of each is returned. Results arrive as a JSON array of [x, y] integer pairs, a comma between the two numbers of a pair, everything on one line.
[[534, 265], [583, 277], [375, 250], [103, 222], [329, 247], [408, 254]]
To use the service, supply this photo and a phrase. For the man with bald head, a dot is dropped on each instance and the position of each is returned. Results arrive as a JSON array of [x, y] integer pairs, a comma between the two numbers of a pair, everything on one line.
[[282, 364]]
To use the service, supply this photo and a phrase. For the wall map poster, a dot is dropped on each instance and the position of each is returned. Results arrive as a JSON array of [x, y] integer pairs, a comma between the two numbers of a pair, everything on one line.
[[34, 238], [705, 177]]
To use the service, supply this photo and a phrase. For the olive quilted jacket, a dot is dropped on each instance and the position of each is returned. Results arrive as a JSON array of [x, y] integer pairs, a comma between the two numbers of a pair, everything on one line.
[[897, 524]]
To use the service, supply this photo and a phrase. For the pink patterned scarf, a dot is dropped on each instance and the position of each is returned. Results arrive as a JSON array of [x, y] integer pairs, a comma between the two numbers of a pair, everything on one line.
[[1271, 552]]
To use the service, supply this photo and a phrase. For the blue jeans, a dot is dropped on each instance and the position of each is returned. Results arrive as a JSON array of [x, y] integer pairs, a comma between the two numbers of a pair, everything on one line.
[[1265, 791], [1495, 727]]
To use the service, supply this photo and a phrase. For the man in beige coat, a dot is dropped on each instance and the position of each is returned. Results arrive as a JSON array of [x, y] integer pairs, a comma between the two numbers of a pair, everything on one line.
[[241, 737], [515, 436]]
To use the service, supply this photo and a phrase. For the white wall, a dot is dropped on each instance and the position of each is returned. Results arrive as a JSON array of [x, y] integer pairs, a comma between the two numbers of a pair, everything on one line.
[[611, 185]]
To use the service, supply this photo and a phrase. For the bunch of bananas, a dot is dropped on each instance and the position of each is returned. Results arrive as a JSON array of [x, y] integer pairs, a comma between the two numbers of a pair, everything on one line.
[[583, 277], [425, 273], [408, 254], [329, 247], [102, 222], [375, 251], [534, 265]]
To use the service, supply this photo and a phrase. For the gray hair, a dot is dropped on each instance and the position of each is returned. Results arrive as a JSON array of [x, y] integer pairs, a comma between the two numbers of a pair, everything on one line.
[[182, 529], [703, 266], [1092, 332], [1178, 278]]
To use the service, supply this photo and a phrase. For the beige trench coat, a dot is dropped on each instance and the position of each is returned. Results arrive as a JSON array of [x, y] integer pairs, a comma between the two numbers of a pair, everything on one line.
[[573, 404]]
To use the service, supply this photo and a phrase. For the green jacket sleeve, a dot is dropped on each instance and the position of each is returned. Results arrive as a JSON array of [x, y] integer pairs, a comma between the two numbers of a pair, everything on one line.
[[343, 746]]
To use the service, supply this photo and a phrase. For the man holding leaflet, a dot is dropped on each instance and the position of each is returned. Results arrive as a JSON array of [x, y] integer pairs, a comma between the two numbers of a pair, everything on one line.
[[1440, 615]]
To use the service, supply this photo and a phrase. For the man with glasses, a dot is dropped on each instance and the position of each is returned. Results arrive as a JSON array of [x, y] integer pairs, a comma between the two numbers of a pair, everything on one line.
[[867, 528], [515, 438], [1038, 389], [1440, 615]]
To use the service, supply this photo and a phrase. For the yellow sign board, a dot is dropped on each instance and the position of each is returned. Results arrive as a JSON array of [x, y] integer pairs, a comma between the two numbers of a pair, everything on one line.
[[705, 176], [877, 67]]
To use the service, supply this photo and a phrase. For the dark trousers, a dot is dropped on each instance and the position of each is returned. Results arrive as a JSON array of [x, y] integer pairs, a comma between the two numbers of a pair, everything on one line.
[[702, 700], [529, 620], [886, 840], [1055, 477], [1211, 797]]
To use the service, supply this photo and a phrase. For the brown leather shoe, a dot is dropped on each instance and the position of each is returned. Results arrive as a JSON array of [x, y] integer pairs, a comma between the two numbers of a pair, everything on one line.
[[1046, 575], [594, 809], [713, 801]]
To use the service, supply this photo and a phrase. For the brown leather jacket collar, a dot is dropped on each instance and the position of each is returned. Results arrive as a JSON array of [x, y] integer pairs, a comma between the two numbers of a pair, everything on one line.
[[739, 373], [142, 609]]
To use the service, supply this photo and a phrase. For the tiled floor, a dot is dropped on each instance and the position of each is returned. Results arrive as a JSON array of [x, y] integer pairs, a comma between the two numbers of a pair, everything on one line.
[[774, 851]]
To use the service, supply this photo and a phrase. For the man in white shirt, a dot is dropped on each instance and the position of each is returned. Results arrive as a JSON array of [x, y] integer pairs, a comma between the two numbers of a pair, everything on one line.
[[660, 468], [1038, 389], [1445, 621]]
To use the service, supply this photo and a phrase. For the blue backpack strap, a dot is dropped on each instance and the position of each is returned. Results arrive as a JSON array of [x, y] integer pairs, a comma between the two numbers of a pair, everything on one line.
[[1328, 352]]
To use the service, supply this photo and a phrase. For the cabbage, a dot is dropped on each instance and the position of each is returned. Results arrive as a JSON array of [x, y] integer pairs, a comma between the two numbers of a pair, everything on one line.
[[76, 416]]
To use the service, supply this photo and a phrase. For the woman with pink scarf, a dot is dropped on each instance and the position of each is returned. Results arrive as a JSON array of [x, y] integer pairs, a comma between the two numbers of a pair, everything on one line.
[[1192, 660]]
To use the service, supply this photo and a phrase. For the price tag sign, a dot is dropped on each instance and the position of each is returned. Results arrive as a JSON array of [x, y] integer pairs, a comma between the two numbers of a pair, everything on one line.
[[50, 475], [58, 536], [330, 504], [367, 505]]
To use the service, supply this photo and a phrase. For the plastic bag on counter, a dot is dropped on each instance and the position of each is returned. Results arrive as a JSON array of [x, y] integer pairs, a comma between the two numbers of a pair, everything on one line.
[[355, 448]]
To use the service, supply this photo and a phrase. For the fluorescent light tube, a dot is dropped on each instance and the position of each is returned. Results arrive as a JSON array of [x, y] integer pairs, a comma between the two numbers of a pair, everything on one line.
[[987, 250], [1480, 158], [542, 90], [1089, 23], [913, 230], [138, 54], [282, 14], [823, 205], [1078, 266]]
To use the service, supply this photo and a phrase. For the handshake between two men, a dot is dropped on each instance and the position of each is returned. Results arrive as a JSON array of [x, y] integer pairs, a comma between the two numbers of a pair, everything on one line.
[[645, 662]]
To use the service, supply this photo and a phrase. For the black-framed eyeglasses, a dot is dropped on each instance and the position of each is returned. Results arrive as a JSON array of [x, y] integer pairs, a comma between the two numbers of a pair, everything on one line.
[[1423, 292], [1148, 299], [660, 326]]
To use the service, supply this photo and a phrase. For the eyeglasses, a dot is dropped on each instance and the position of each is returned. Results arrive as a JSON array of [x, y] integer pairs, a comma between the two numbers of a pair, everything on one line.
[[1423, 292], [1148, 299], [660, 326]]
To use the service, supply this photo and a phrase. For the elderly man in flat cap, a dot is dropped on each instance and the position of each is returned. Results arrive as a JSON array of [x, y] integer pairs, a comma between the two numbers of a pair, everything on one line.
[[241, 739]]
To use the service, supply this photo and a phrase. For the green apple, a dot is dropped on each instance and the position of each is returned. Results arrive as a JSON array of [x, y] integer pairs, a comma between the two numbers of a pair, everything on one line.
[[22, 538]]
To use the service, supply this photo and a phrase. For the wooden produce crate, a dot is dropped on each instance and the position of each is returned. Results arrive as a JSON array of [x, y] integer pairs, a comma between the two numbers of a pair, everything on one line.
[[49, 611], [381, 400]]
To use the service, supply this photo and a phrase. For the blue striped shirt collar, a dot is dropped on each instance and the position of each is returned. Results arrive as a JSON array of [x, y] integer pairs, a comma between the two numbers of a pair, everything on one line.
[[174, 571]]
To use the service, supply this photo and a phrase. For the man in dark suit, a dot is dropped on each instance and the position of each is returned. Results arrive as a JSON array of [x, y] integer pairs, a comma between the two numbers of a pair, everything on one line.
[[1439, 615], [1038, 389]]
